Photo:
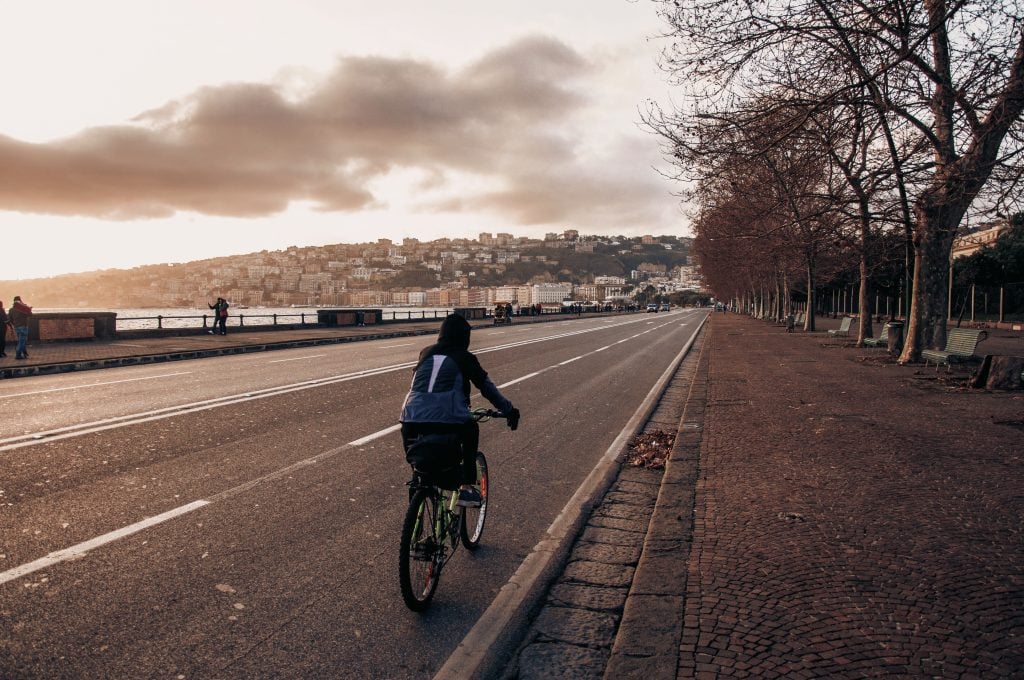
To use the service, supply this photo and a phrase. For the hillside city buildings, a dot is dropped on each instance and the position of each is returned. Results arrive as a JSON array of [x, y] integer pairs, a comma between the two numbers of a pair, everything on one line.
[[442, 273]]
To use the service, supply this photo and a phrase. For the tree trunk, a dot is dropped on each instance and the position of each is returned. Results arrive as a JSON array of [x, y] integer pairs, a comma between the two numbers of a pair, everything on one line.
[[864, 328], [809, 317], [929, 304]]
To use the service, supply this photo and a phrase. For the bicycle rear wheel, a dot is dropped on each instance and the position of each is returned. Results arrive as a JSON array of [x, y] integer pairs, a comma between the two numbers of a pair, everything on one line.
[[473, 518], [421, 554]]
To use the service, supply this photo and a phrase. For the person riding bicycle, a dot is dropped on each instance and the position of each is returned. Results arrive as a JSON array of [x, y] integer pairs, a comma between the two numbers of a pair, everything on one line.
[[438, 400]]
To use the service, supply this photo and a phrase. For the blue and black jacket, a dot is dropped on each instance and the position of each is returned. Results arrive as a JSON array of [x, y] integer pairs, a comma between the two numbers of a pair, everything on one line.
[[442, 377]]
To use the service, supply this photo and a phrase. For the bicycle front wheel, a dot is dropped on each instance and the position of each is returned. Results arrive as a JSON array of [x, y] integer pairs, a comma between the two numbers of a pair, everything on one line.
[[473, 518], [421, 553]]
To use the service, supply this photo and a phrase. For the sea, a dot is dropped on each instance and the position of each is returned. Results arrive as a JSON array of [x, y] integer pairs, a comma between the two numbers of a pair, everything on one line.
[[186, 317]]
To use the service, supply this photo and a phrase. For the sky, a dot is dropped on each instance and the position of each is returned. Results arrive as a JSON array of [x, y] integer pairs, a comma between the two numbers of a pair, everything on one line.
[[142, 131]]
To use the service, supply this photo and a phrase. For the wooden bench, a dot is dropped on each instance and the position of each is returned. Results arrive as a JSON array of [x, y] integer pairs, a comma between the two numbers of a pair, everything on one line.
[[881, 341], [844, 328], [960, 346]]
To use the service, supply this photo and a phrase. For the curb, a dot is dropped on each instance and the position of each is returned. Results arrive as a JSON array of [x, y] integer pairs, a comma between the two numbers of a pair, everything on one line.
[[649, 637], [493, 641]]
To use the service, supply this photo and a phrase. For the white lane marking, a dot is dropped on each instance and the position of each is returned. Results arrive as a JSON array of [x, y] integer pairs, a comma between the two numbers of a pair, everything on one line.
[[99, 384], [525, 377], [312, 356], [376, 435], [569, 361], [522, 588], [82, 548], [407, 344]]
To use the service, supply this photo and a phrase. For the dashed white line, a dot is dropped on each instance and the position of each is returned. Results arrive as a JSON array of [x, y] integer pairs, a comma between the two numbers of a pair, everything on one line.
[[99, 384], [83, 548], [312, 356]]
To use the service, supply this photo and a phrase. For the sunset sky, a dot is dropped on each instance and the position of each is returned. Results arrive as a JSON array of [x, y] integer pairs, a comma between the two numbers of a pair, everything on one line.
[[137, 131]]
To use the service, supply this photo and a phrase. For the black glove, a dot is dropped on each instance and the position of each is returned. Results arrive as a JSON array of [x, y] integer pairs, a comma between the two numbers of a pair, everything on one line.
[[513, 419]]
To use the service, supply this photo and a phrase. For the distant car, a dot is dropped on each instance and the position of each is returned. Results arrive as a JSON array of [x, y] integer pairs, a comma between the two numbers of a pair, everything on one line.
[[665, 307], [652, 308]]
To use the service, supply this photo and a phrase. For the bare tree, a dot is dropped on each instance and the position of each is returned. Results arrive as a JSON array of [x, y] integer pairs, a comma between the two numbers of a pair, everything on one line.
[[951, 71]]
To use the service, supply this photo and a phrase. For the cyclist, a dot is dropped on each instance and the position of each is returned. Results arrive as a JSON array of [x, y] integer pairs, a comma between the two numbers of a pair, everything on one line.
[[438, 400]]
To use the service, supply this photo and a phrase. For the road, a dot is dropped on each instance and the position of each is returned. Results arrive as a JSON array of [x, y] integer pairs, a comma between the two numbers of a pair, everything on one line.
[[237, 517]]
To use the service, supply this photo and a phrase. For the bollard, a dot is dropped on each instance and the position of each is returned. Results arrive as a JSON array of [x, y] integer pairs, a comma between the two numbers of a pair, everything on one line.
[[895, 337]]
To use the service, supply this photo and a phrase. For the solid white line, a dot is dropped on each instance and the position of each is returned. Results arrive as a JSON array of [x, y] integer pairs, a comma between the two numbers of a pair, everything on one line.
[[99, 384], [82, 548], [312, 356], [407, 344]]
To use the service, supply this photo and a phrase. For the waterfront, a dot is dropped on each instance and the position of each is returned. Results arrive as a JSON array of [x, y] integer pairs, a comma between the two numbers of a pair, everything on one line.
[[197, 317]]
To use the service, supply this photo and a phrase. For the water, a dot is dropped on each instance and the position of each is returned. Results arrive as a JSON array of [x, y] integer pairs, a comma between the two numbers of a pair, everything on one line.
[[186, 317]]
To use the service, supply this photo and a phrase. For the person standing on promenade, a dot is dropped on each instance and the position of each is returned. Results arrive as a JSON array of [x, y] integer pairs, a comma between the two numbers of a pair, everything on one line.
[[19, 315], [4, 323], [220, 316]]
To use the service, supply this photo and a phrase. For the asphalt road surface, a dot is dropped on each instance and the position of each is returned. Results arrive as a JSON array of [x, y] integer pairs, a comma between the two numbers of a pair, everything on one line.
[[238, 517]]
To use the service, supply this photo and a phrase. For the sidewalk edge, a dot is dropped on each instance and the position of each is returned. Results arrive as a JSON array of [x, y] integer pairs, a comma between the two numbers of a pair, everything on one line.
[[649, 637], [499, 631]]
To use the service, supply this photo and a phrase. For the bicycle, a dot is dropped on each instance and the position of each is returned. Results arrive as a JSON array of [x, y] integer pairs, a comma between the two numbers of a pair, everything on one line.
[[435, 525]]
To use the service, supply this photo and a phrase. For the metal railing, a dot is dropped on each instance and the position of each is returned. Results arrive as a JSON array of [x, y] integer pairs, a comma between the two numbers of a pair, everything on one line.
[[205, 321]]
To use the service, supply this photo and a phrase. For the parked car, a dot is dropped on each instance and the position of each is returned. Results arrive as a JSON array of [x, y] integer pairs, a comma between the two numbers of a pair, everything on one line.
[[652, 308], [665, 307]]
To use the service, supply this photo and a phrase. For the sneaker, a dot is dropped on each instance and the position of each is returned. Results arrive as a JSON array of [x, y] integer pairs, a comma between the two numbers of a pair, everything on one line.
[[470, 497]]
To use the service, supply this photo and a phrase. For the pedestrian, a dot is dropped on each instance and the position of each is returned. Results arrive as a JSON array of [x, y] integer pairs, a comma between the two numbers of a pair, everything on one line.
[[220, 316], [4, 323], [19, 316]]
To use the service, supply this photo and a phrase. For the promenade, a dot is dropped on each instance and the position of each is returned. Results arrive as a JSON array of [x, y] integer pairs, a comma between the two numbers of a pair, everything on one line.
[[825, 513]]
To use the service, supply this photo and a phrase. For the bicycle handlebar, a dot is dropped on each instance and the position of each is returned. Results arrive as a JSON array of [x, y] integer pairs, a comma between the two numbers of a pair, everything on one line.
[[482, 414]]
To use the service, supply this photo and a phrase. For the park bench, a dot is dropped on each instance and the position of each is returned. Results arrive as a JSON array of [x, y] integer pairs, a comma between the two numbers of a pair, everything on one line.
[[960, 346], [844, 328], [881, 341]]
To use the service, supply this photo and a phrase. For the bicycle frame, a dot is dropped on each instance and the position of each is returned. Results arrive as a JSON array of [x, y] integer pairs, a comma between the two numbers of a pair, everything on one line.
[[428, 542]]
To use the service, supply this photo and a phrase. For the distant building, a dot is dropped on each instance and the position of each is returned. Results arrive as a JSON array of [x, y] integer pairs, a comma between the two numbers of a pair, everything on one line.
[[973, 240], [549, 292]]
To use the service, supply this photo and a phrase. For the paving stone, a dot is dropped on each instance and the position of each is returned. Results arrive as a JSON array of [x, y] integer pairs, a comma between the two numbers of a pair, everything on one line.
[[558, 661], [611, 536], [608, 554], [623, 511], [637, 524], [576, 626], [599, 574], [627, 498], [636, 487], [595, 598], [638, 475]]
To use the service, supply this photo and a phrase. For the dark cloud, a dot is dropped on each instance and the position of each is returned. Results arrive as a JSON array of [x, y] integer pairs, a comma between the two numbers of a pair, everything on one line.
[[245, 149]]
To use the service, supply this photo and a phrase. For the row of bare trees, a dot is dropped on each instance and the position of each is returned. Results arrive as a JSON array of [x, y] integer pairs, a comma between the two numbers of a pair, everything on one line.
[[813, 135]]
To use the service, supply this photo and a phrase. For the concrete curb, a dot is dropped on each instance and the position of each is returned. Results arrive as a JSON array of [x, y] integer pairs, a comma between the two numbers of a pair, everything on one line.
[[650, 633], [489, 645]]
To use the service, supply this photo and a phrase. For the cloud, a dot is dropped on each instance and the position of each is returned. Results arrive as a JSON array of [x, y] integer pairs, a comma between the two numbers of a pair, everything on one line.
[[248, 149]]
